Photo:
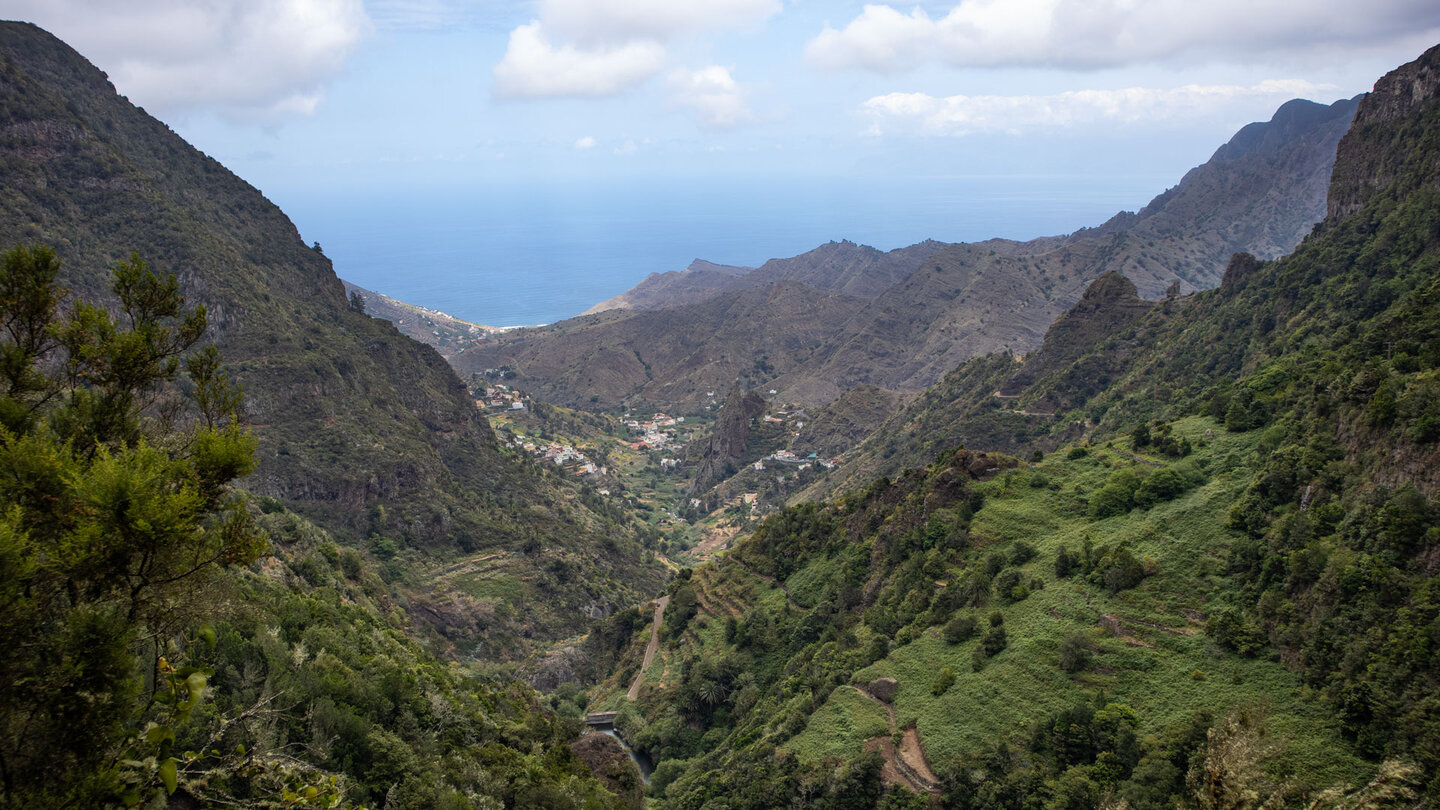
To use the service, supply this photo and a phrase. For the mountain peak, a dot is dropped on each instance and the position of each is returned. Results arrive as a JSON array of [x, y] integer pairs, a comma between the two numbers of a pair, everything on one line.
[[1291, 120], [1109, 287], [703, 265]]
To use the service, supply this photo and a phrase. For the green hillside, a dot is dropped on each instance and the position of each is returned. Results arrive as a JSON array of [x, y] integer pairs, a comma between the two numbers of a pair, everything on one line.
[[1205, 576]]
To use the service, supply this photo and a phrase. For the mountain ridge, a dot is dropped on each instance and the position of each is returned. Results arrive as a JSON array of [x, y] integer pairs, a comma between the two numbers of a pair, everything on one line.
[[366, 432], [947, 303]]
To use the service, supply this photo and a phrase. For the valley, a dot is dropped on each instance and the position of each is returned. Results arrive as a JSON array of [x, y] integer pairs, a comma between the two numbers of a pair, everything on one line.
[[1142, 516]]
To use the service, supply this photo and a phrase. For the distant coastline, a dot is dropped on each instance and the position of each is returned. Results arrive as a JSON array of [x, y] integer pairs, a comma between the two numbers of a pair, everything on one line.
[[536, 256]]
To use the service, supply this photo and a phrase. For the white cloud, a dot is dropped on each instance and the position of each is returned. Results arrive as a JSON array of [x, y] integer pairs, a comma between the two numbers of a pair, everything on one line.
[[712, 93], [627, 148], [584, 143], [534, 68], [963, 115], [603, 47], [1088, 34], [248, 59], [609, 21], [413, 15]]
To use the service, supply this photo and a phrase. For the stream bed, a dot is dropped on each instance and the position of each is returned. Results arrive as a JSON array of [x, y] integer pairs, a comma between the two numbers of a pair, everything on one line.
[[641, 761]]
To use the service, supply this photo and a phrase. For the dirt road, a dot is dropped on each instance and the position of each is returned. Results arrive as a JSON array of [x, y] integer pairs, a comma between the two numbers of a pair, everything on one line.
[[651, 648]]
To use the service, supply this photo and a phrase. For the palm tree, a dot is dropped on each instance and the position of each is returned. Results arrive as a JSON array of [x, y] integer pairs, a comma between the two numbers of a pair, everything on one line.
[[710, 692]]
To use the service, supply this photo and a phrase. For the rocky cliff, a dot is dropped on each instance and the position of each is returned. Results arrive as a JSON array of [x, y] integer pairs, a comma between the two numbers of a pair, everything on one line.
[[718, 458], [1390, 115], [365, 431]]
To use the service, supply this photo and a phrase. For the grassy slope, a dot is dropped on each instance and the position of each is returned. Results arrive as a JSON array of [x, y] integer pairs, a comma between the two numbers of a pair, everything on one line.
[[1150, 650], [1153, 667]]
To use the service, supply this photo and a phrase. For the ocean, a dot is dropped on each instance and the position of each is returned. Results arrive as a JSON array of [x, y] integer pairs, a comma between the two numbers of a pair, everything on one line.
[[519, 255]]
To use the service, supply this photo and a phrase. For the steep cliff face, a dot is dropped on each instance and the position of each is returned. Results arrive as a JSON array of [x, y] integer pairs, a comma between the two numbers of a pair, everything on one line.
[[718, 458], [365, 431], [1391, 115], [348, 412]]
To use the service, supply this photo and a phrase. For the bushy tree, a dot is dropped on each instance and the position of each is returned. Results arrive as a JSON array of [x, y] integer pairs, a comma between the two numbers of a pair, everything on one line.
[[115, 506], [959, 629]]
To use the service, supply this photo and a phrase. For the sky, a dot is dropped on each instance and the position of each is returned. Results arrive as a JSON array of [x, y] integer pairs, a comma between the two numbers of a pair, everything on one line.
[[348, 112], [375, 94]]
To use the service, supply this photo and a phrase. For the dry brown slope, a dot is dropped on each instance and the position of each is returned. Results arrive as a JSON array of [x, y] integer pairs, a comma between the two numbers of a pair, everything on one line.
[[1260, 193], [668, 358]]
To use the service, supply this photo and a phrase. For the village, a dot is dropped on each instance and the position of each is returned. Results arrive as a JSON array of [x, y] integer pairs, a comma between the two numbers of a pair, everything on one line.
[[641, 457], [565, 456], [653, 433], [502, 399]]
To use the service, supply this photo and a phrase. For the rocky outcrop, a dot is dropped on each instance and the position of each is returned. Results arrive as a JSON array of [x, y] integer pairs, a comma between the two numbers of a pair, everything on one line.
[[884, 689], [548, 669], [607, 759], [1366, 161], [725, 451], [1240, 266], [1109, 304]]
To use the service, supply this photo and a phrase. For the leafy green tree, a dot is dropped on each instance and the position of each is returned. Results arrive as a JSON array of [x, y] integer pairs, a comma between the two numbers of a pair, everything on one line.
[[1075, 652], [959, 629], [1066, 563], [115, 508], [995, 640]]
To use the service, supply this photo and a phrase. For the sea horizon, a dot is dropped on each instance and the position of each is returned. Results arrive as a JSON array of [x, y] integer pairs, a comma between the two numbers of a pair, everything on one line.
[[526, 255]]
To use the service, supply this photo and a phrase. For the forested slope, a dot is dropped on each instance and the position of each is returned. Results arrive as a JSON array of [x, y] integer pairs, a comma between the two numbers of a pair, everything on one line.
[[1214, 584]]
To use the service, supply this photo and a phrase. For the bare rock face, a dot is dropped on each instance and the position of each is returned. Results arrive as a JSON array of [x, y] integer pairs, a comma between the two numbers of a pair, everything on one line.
[[726, 448], [884, 689], [1365, 163]]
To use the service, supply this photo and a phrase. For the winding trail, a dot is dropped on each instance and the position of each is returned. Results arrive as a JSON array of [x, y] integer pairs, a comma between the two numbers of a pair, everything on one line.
[[907, 765], [651, 648]]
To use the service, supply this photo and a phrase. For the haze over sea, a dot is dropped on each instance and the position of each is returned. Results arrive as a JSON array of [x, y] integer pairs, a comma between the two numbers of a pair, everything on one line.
[[524, 255]]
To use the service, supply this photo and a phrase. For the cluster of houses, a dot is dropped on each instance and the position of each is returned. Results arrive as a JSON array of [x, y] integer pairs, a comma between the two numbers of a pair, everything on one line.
[[501, 398], [564, 455], [654, 435], [787, 457]]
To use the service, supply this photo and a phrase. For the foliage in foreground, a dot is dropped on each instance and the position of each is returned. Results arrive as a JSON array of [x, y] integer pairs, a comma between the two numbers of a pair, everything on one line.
[[144, 659]]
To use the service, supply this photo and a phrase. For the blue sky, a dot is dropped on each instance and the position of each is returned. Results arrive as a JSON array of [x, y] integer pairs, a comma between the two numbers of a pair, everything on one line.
[[346, 93]]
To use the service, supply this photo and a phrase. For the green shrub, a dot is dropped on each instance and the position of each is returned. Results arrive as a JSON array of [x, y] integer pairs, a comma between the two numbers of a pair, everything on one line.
[[960, 629], [943, 681]]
